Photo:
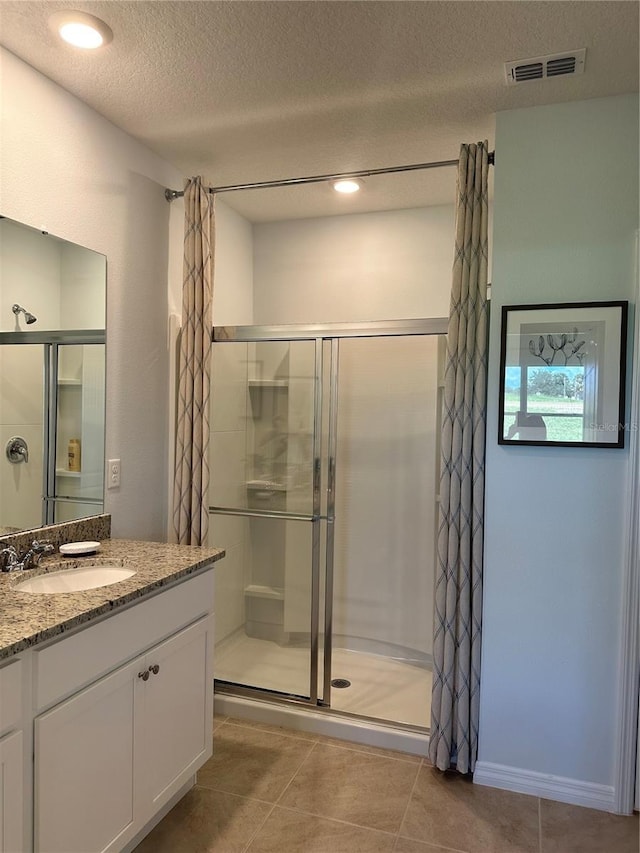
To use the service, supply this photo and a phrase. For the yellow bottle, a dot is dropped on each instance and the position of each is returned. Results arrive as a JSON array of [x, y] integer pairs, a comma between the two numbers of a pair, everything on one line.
[[74, 454]]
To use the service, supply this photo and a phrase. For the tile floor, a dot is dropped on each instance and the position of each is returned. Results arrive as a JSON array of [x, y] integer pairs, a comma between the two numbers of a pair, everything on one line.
[[382, 688], [272, 790]]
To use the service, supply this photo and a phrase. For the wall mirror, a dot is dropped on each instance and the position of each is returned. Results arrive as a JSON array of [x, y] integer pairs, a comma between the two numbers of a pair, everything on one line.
[[52, 378], [562, 374]]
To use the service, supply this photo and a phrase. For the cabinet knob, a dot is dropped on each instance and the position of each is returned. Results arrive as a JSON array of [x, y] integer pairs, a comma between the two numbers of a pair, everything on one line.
[[144, 675], [155, 669]]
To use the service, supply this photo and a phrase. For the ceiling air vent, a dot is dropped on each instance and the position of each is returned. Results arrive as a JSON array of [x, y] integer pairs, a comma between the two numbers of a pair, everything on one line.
[[539, 67]]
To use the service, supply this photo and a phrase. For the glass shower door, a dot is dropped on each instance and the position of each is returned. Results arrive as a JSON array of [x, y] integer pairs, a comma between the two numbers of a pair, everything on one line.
[[75, 403], [21, 392], [385, 524], [265, 509]]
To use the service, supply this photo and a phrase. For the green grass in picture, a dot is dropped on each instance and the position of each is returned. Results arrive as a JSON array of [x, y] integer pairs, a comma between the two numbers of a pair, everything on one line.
[[543, 403], [564, 429], [558, 428]]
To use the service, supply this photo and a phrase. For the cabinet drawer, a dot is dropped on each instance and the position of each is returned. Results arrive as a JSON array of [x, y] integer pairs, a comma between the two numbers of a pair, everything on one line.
[[101, 647], [10, 696]]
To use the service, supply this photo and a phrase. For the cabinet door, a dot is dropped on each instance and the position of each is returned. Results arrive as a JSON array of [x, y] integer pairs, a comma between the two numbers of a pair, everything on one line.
[[176, 724], [84, 768], [11, 794]]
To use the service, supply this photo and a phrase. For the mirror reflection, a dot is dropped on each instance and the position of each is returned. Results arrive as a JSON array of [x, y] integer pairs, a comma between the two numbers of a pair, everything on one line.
[[52, 378]]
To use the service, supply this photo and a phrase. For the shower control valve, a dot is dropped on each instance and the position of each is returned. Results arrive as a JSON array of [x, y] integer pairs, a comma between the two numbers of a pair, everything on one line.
[[17, 450]]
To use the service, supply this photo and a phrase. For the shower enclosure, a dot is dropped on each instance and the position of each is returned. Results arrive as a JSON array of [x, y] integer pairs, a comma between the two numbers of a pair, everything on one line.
[[324, 459], [52, 387]]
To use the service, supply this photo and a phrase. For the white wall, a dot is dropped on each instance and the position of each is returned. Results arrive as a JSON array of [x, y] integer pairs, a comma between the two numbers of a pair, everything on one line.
[[233, 279], [566, 209], [66, 169], [83, 289], [372, 266], [30, 274]]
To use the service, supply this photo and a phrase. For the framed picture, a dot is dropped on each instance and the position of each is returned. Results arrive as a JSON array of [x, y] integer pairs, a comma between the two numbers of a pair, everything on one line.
[[562, 374]]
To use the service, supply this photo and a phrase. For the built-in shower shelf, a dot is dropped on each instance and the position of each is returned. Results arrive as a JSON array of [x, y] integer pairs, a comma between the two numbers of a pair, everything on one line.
[[255, 590], [265, 486], [69, 381], [63, 472], [268, 383]]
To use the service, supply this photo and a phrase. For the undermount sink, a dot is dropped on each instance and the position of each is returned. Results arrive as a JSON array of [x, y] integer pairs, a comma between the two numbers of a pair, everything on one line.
[[76, 579]]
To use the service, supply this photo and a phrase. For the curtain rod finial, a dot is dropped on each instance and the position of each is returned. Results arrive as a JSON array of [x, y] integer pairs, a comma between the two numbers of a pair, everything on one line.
[[172, 195]]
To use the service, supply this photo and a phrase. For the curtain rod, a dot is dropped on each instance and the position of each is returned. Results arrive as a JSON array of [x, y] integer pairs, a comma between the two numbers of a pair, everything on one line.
[[170, 195]]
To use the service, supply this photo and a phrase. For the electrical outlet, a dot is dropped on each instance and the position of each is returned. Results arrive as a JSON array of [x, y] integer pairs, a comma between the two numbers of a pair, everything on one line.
[[113, 474]]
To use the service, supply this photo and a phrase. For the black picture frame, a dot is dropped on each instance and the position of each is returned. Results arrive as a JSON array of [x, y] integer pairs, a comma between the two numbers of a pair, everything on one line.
[[562, 374]]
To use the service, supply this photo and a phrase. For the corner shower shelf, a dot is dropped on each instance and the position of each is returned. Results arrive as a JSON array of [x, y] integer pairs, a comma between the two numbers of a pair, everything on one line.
[[256, 590], [63, 472], [265, 486], [63, 381]]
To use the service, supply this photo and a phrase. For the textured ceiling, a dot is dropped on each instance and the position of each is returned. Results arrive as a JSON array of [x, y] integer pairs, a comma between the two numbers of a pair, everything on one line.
[[252, 91]]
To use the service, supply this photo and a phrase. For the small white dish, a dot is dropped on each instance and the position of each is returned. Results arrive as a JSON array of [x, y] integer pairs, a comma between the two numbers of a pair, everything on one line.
[[76, 549]]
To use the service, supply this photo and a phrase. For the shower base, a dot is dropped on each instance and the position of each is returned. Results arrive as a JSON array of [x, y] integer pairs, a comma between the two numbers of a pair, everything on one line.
[[391, 694]]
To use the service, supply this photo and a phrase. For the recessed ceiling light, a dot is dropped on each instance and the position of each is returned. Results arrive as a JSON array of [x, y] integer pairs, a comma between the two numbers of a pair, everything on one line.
[[347, 186], [81, 29]]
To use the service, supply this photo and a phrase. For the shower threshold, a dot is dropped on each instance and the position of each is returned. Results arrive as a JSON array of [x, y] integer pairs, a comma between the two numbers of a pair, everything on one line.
[[321, 721]]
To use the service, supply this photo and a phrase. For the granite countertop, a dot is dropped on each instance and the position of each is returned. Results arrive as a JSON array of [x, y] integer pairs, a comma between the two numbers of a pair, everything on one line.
[[27, 619]]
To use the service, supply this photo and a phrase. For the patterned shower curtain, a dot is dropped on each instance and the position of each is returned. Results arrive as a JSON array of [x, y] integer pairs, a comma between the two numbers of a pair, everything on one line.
[[457, 628], [191, 485]]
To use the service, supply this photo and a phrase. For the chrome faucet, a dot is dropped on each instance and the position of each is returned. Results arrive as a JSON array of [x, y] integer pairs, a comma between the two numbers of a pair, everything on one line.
[[9, 559], [11, 562]]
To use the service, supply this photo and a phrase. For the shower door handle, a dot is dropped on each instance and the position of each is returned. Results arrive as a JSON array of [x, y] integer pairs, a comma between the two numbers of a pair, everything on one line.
[[332, 445]]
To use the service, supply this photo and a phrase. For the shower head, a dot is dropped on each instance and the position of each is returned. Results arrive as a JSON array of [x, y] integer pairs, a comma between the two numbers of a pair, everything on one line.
[[27, 315]]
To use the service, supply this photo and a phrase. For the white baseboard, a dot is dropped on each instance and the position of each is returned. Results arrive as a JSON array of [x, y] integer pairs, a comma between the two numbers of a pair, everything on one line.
[[545, 785]]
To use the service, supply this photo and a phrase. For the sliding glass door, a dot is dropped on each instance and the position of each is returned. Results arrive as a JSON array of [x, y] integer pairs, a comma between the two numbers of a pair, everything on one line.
[[324, 472], [265, 498]]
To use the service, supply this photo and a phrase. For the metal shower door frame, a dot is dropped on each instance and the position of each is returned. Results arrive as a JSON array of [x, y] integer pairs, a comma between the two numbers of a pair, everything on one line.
[[50, 492], [51, 341], [330, 333], [263, 334]]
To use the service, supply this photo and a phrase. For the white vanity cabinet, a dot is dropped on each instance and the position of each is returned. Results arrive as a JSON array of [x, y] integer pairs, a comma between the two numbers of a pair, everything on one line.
[[11, 794], [117, 748], [11, 759]]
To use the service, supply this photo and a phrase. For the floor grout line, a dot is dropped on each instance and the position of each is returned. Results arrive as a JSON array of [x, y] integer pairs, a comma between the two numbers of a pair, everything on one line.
[[364, 749], [335, 820], [258, 829], [539, 825], [274, 730], [234, 794], [286, 787], [406, 809]]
